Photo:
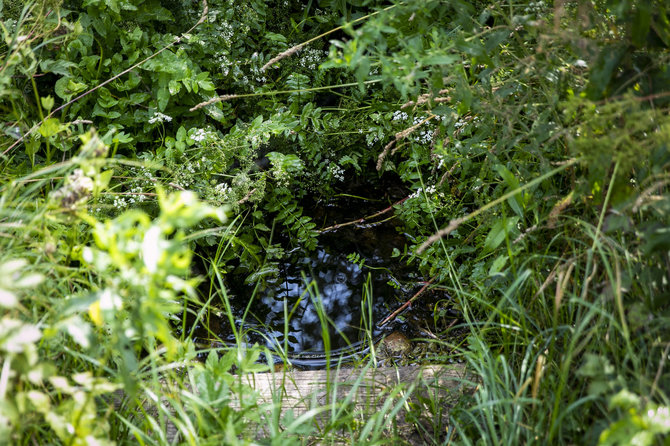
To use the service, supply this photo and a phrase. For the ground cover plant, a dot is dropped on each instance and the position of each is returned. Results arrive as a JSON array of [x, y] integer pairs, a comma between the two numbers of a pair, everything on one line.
[[151, 149]]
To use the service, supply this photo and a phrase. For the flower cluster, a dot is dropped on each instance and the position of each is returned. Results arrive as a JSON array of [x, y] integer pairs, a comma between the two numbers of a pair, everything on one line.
[[225, 64], [399, 115], [159, 117], [141, 180], [133, 196], [372, 137], [311, 58], [430, 190], [580, 63], [280, 175], [256, 73], [186, 173], [423, 136], [539, 7], [222, 192], [336, 171], [201, 135]]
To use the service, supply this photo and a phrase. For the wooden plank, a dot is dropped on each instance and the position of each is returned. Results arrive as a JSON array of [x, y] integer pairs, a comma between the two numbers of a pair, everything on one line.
[[315, 393], [302, 390], [360, 390]]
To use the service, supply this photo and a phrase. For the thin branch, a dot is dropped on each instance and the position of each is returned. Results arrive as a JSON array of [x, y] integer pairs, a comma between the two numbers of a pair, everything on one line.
[[456, 222], [227, 97], [408, 303], [361, 220]]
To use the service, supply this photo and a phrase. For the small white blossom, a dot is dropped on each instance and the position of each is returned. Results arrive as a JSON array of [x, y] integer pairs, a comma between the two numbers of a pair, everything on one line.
[[336, 171], [399, 115], [200, 135], [159, 117], [416, 193], [579, 63], [80, 182], [311, 58]]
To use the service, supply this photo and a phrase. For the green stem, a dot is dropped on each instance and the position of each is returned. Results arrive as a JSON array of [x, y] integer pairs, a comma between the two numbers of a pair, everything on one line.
[[41, 113], [587, 271]]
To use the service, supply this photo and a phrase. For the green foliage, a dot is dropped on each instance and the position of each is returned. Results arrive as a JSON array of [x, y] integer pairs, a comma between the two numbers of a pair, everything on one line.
[[537, 134], [642, 423]]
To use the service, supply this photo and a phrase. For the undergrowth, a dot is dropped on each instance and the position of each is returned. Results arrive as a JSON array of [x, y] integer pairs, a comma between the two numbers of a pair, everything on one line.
[[531, 140]]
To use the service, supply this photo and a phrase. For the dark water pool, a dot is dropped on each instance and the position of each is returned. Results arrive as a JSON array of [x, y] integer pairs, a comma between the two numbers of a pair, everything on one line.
[[348, 284], [323, 288], [351, 277]]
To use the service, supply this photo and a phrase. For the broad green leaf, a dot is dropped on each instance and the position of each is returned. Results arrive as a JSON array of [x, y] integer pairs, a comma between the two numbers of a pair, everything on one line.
[[502, 228], [50, 127], [181, 134], [163, 96], [441, 59], [47, 102], [641, 24], [102, 180], [174, 86], [498, 264]]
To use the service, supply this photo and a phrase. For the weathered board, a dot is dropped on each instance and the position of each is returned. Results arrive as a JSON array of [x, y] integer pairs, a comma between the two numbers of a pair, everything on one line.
[[302, 390], [313, 394]]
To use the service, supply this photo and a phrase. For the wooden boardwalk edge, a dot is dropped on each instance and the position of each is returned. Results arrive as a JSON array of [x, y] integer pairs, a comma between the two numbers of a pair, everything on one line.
[[362, 390], [301, 390]]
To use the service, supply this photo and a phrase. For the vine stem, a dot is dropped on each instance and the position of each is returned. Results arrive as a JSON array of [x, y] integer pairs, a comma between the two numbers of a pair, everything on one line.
[[111, 79], [408, 303], [361, 220]]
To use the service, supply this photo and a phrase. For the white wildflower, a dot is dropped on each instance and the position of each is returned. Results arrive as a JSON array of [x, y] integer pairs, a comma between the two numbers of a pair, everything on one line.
[[159, 117], [336, 171], [200, 135]]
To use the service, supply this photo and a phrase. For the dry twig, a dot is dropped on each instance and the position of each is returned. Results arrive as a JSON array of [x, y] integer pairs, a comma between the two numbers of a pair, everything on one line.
[[408, 303]]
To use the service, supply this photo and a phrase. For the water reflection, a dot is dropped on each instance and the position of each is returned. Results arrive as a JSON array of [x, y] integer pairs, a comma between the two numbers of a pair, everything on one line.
[[326, 281]]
